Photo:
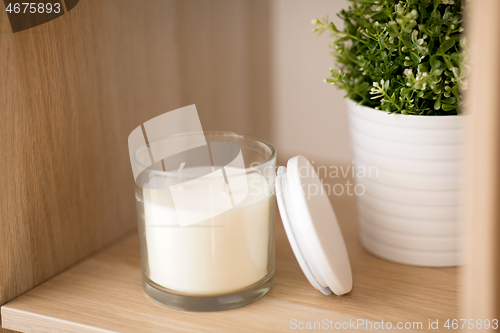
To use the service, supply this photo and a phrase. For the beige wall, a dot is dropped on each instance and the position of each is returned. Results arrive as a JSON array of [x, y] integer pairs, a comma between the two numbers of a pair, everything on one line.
[[309, 116], [223, 49]]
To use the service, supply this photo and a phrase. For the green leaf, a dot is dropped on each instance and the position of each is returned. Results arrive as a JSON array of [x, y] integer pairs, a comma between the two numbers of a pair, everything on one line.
[[436, 65], [433, 60], [447, 45], [437, 104], [449, 107], [332, 27], [451, 100]]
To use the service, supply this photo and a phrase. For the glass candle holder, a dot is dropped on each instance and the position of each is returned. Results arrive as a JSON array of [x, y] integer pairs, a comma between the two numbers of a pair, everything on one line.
[[207, 244]]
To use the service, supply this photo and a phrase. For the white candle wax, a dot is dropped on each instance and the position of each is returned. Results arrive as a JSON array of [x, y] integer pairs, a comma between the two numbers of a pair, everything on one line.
[[218, 256]]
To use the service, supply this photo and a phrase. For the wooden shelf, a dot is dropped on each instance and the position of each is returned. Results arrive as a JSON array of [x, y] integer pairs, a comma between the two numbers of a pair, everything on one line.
[[104, 293]]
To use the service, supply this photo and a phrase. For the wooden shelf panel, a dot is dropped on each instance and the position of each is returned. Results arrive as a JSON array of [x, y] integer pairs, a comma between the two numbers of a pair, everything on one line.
[[104, 293]]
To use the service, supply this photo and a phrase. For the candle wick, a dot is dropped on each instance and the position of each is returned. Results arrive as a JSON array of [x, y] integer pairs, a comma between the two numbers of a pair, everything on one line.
[[179, 171], [181, 167]]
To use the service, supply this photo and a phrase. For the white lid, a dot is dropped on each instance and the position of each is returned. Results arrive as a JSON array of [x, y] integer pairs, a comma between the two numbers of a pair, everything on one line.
[[312, 228]]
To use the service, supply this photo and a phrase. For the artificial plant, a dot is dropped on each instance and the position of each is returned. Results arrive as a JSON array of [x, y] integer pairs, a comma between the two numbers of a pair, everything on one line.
[[400, 56]]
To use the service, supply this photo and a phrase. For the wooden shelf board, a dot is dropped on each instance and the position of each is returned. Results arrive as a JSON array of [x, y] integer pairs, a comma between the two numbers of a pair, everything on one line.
[[104, 293]]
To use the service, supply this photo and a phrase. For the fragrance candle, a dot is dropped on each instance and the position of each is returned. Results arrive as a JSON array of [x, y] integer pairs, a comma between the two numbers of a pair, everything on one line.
[[207, 242]]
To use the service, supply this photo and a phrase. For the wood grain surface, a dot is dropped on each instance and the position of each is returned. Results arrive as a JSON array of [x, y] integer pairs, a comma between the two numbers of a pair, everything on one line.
[[71, 91], [104, 294], [481, 274]]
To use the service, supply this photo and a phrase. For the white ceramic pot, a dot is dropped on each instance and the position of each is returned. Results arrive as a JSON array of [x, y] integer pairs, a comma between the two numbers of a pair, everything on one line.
[[410, 169]]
